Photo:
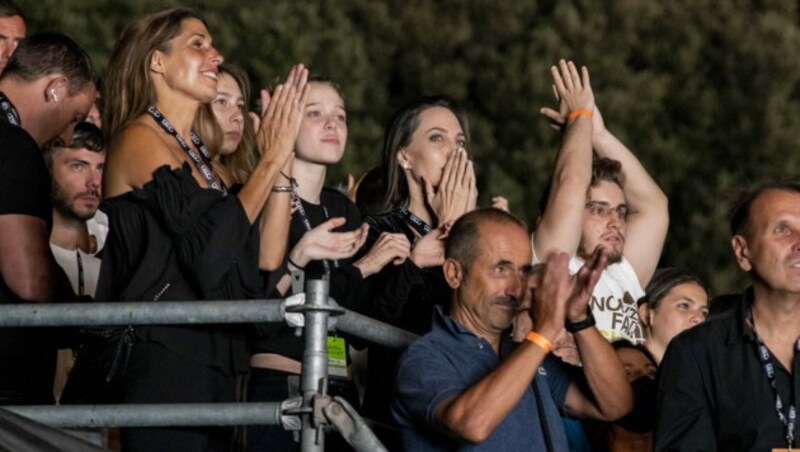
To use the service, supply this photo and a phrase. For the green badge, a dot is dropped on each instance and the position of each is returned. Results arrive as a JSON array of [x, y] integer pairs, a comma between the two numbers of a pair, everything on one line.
[[337, 357]]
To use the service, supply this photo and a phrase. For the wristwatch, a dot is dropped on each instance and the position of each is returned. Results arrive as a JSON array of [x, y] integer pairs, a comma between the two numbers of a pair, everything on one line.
[[583, 324]]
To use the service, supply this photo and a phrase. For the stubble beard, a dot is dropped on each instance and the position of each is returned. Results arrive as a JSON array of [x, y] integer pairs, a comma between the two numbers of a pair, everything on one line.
[[66, 207], [614, 257]]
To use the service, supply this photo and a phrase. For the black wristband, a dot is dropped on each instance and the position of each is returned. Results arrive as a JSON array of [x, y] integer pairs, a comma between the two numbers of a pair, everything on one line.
[[582, 325], [292, 180], [293, 264]]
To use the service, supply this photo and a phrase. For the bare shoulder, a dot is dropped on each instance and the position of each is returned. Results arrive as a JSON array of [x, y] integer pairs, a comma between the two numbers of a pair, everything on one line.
[[133, 155]]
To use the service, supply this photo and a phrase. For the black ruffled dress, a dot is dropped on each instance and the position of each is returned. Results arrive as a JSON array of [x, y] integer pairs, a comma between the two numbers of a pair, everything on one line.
[[174, 240]]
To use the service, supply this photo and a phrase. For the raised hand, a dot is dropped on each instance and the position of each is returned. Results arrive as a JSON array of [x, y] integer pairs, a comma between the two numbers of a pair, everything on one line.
[[585, 280], [553, 290], [322, 243], [563, 343], [394, 248], [456, 194], [281, 115], [572, 92]]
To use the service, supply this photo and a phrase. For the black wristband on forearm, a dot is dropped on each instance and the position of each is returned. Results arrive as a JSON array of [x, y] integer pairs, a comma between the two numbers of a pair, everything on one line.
[[583, 324]]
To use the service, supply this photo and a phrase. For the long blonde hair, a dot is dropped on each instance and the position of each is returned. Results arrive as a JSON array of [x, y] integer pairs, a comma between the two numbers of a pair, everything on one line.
[[128, 88]]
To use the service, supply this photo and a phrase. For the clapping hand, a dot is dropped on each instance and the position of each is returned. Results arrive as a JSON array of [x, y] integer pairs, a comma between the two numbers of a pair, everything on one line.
[[585, 280], [389, 248], [322, 243], [553, 289], [281, 115], [572, 92]]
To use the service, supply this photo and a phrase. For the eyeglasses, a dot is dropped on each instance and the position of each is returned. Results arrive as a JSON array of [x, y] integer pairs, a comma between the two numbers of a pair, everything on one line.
[[600, 209]]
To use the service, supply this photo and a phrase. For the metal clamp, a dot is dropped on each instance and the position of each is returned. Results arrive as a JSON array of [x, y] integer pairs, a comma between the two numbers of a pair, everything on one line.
[[291, 410], [354, 430]]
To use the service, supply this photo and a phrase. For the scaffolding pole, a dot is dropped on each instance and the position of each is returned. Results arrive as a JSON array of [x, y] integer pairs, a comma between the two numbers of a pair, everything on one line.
[[189, 313], [153, 415], [313, 380], [318, 411], [141, 313]]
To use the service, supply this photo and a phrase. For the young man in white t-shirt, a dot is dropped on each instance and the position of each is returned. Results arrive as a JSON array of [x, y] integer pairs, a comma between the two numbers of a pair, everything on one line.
[[607, 201]]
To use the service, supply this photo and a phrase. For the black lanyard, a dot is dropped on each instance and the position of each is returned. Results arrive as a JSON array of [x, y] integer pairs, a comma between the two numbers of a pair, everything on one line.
[[304, 218], [415, 222], [202, 162], [11, 113], [80, 272], [769, 371]]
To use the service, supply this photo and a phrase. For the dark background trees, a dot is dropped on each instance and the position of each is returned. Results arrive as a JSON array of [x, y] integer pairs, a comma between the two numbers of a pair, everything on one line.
[[705, 92]]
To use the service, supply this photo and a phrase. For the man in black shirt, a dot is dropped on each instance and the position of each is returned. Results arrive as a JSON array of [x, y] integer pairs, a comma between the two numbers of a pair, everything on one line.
[[732, 382], [47, 86]]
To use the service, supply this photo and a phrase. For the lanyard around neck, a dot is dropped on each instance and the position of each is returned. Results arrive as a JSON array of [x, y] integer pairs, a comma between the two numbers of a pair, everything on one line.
[[769, 370], [307, 224], [11, 113], [81, 289], [202, 161], [415, 222]]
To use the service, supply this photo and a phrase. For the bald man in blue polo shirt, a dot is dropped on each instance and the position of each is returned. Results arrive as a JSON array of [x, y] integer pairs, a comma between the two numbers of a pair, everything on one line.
[[465, 386]]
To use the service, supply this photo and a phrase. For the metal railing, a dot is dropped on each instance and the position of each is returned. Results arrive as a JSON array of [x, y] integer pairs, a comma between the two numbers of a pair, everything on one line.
[[312, 413]]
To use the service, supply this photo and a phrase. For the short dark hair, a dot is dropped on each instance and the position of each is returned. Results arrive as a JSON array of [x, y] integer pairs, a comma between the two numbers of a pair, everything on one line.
[[10, 9], [664, 280], [740, 215], [603, 169], [51, 53], [624, 343], [606, 169], [85, 136], [461, 244]]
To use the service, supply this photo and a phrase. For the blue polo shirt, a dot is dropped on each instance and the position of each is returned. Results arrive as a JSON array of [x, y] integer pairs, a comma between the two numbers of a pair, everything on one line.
[[449, 360]]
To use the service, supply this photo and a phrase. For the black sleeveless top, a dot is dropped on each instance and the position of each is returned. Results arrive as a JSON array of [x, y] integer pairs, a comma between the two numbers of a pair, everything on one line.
[[174, 240]]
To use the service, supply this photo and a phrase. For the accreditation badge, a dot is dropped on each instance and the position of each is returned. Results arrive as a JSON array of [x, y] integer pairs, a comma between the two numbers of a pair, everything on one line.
[[337, 357]]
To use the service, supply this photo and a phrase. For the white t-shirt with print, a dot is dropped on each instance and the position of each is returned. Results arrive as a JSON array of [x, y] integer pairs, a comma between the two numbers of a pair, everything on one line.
[[614, 300]]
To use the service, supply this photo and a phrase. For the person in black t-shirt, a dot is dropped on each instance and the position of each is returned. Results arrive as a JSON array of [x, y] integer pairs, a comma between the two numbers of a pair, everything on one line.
[[47, 86], [325, 234]]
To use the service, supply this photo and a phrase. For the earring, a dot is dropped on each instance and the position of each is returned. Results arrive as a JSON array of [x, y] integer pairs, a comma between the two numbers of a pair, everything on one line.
[[405, 165], [53, 94]]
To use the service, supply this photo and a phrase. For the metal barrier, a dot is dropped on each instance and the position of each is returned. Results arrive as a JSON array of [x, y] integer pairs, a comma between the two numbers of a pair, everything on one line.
[[312, 414], [154, 415]]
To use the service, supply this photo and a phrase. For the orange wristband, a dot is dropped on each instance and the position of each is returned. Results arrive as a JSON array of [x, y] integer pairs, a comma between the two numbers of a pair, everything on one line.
[[540, 340], [580, 112]]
